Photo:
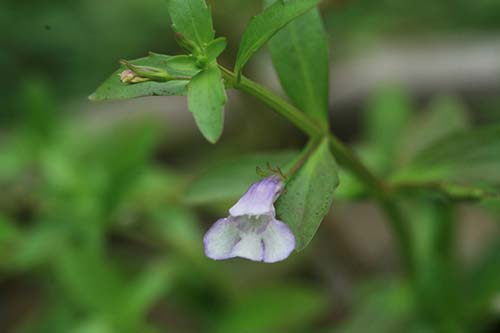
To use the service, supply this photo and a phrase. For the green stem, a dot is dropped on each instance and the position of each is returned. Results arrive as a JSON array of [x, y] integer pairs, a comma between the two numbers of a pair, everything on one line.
[[304, 156], [381, 191], [401, 231], [279, 105], [452, 191], [345, 157]]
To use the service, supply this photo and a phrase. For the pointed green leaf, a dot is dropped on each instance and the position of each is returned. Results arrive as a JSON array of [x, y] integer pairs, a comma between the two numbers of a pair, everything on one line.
[[483, 282], [309, 194], [114, 89], [192, 18], [282, 308], [265, 25], [300, 56], [445, 116], [465, 157], [215, 48], [206, 99], [381, 306], [387, 116], [146, 290]]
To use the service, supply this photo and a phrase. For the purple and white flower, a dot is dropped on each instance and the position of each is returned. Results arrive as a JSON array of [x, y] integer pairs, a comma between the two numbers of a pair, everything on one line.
[[251, 230]]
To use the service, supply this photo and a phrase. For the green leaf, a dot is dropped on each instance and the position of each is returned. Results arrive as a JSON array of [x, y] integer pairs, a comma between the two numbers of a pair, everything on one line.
[[206, 99], [309, 194], [277, 309], [215, 48], [230, 178], [300, 56], [8, 231], [431, 225], [446, 115], [192, 18], [99, 291], [94, 325], [114, 89], [146, 290], [35, 247], [179, 228], [387, 117], [265, 25], [483, 283], [123, 156], [40, 114], [380, 307], [465, 157], [9, 234]]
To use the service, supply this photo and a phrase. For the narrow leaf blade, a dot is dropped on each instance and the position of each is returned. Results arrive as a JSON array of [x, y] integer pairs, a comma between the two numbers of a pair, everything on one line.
[[388, 114], [278, 309], [215, 48], [484, 282], [264, 26], [465, 157], [445, 115], [300, 57], [309, 195], [193, 19], [113, 89], [206, 99]]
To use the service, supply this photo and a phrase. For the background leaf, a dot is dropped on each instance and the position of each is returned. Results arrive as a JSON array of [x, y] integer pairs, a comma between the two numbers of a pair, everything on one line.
[[229, 178], [300, 56], [387, 116], [384, 307], [436, 266], [114, 89], [206, 99], [483, 283], [308, 195], [465, 157], [192, 18], [215, 48], [445, 115], [278, 309], [263, 26]]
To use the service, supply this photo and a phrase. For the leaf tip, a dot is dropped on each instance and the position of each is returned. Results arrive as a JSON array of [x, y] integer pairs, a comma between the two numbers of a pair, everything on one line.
[[212, 138], [93, 97]]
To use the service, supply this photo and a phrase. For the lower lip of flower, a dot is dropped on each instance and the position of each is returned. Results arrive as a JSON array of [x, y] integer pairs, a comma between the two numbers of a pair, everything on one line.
[[252, 223]]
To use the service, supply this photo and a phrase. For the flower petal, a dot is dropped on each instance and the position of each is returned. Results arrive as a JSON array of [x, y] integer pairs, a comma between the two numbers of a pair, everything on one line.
[[279, 241], [249, 247], [220, 239], [259, 198]]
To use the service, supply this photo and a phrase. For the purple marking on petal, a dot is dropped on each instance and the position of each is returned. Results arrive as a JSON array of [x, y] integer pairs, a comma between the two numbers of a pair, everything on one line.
[[220, 240], [263, 245], [251, 231], [249, 247], [279, 242], [259, 198]]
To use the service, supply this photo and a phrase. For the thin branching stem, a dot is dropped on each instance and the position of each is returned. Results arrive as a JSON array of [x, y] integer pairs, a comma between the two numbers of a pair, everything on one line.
[[381, 191]]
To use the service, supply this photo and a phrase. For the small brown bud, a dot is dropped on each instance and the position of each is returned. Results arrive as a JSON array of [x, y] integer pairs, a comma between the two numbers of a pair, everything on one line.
[[128, 76]]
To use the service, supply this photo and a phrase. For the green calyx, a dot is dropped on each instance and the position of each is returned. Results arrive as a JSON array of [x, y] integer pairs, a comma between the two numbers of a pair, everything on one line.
[[138, 74]]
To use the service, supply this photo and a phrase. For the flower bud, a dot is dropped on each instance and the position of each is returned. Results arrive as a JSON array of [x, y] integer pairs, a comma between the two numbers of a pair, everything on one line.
[[137, 74], [128, 76]]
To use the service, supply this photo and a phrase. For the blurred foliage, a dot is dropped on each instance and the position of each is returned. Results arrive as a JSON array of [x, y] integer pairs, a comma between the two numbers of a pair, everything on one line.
[[356, 21], [444, 294], [110, 242], [105, 232], [104, 236]]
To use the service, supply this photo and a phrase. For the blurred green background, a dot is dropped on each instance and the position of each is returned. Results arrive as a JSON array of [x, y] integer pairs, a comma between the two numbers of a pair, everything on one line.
[[103, 206]]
